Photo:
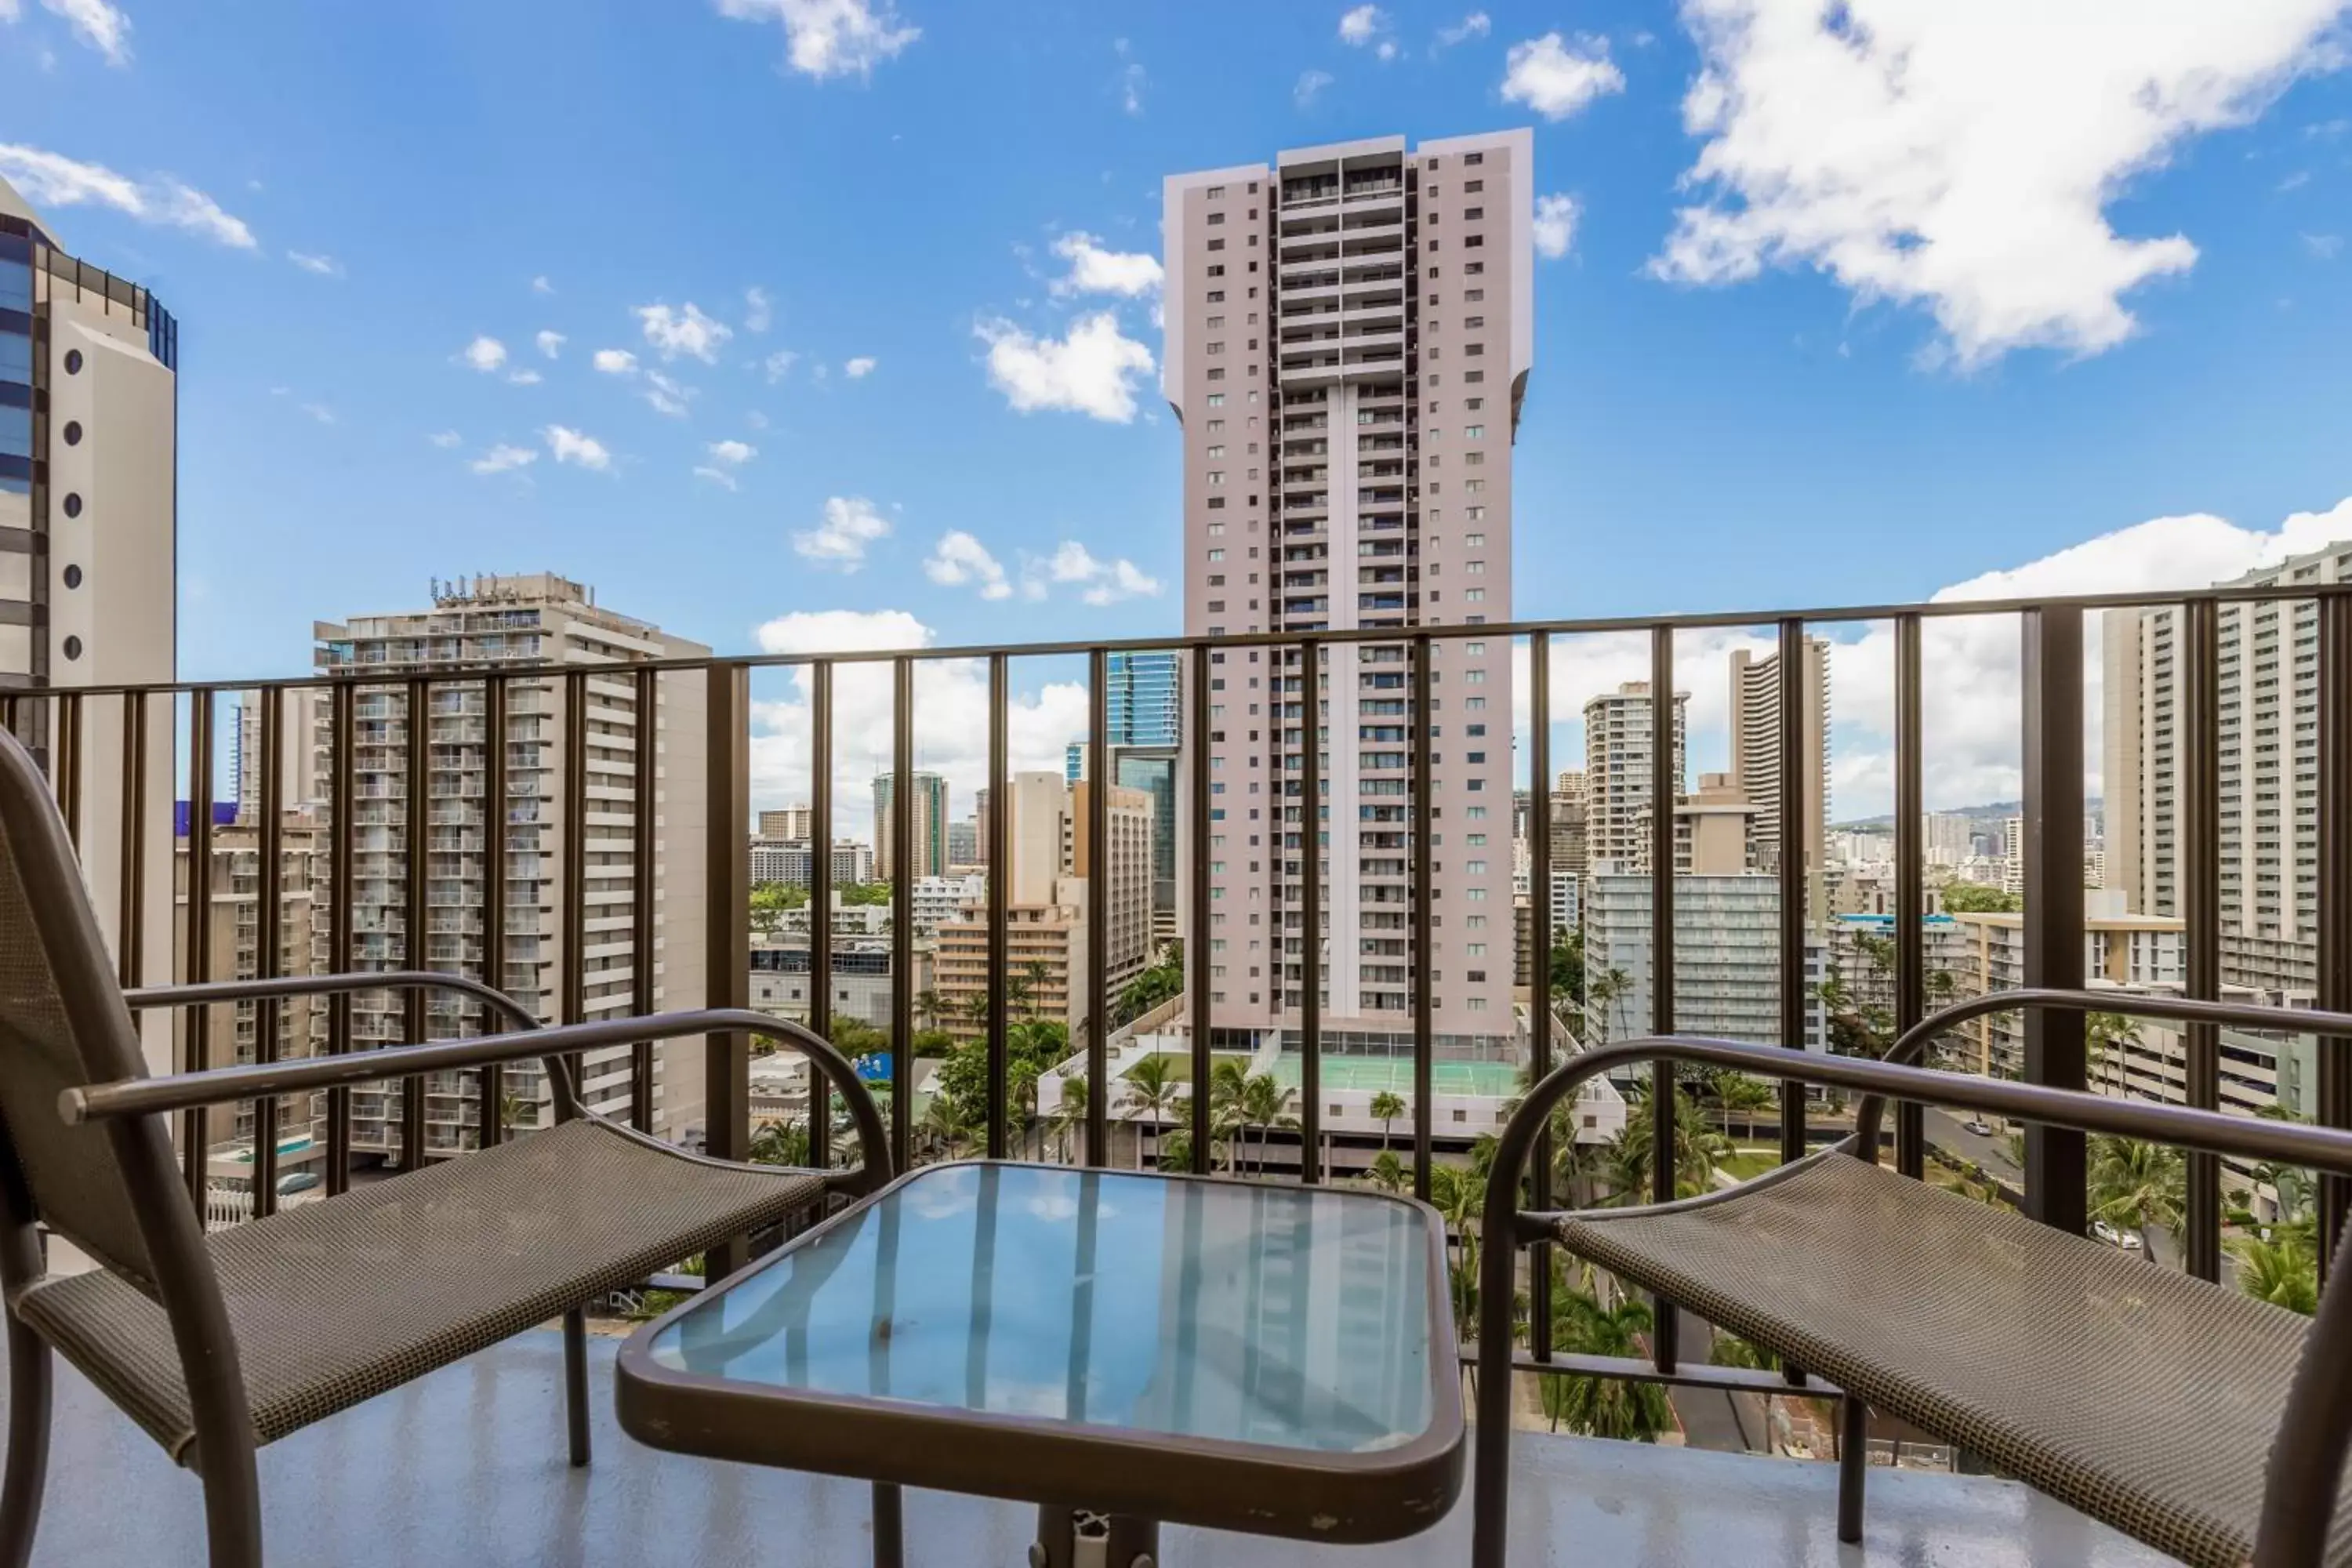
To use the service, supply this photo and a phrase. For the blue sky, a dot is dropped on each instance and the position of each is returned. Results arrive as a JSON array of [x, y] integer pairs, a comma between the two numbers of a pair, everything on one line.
[[2112, 290]]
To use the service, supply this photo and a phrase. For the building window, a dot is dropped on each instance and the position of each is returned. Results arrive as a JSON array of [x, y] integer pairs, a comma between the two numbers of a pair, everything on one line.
[[1216, 193], [1216, 503], [1216, 400], [1474, 159], [1474, 432], [1216, 244], [1216, 218], [1216, 296], [1216, 373], [1472, 187], [1216, 452], [1216, 348], [1472, 215], [1216, 269], [1217, 323], [1477, 269]]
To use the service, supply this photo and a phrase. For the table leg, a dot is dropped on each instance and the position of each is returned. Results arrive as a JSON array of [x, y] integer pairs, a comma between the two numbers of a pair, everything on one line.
[[1078, 1538], [889, 1529]]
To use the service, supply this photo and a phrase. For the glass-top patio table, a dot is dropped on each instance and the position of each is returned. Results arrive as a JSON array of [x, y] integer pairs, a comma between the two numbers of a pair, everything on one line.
[[1119, 1348]]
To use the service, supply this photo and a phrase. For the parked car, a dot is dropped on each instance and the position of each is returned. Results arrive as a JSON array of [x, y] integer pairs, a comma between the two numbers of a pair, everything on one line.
[[2107, 1233], [297, 1182], [1979, 1126]]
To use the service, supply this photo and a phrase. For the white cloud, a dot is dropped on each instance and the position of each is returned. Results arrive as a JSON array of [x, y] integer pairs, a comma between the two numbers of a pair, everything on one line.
[[2324, 246], [1556, 79], [551, 343], [324, 266], [849, 525], [758, 311], [1360, 24], [446, 438], [715, 475], [1555, 225], [734, 454], [501, 458], [1099, 582], [778, 364], [666, 395], [524, 377], [1310, 86], [320, 412], [2295, 182], [686, 332], [861, 367], [1130, 78], [1095, 270], [1093, 369], [1476, 24], [951, 715], [1962, 158], [52, 180], [959, 558], [831, 37], [568, 446], [756, 420], [485, 354], [539, 285], [1386, 49], [614, 362], [102, 26]]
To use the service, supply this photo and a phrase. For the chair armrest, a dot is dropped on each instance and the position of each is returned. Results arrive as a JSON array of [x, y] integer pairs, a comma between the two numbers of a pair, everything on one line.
[[207, 993], [186, 1091]]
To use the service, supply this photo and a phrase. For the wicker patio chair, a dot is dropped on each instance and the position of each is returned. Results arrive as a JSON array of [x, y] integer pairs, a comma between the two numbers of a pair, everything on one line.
[[216, 1344], [2183, 1413]]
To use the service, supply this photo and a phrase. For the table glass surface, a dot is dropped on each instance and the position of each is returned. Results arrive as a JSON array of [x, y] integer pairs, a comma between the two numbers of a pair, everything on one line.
[[1287, 1316]]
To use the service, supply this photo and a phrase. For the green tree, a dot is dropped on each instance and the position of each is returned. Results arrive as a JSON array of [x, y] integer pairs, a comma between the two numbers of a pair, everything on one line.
[[1737, 1092], [1698, 1149], [770, 901], [1148, 990], [1568, 966], [1603, 1406], [1459, 1193], [929, 1005], [1033, 975], [2107, 1040], [932, 1043], [1387, 1172], [781, 1143], [2283, 1270], [1154, 1085], [1386, 1106], [863, 893], [1975, 898], [947, 1124], [1070, 1114], [1266, 1105], [2137, 1183], [1174, 1150]]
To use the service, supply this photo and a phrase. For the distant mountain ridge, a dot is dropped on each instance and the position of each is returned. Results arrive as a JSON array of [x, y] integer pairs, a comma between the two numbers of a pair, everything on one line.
[[1994, 811]]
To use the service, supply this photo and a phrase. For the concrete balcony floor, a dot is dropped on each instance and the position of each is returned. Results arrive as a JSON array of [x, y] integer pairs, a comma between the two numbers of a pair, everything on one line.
[[468, 1467]]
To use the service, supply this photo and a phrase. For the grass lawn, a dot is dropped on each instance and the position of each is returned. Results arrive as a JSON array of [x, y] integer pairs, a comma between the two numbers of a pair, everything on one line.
[[1181, 1064], [1749, 1161]]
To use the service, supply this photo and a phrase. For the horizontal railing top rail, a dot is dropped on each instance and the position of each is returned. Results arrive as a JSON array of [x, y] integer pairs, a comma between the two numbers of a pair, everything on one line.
[[438, 673]]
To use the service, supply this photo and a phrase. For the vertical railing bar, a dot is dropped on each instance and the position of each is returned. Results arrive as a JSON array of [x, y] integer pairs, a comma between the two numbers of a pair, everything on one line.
[[902, 911], [1199, 970], [1424, 893], [67, 765], [416, 861], [1910, 890], [198, 924], [130, 896], [1665, 778], [269, 911], [342, 718], [820, 904], [1310, 901], [494, 895], [2054, 1055], [727, 930], [642, 869], [573, 919], [999, 850], [1540, 937], [1097, 976], [2197, 833], [2333, 1096]]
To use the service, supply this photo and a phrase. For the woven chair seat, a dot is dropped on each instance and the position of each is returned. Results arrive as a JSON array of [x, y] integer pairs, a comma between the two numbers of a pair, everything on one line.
[[335, 1302], [2140, 1395]]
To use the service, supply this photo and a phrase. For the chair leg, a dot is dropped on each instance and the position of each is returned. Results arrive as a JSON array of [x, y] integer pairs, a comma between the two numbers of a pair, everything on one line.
[[1853, 1466], [575, 1381], [232, 1508], [29, 1392]]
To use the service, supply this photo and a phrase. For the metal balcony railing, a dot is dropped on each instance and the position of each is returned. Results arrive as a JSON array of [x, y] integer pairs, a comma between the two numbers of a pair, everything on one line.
[[710, 699]]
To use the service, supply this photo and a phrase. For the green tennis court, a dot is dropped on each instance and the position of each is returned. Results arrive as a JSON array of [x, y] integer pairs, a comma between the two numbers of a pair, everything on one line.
[[1372, 1074]]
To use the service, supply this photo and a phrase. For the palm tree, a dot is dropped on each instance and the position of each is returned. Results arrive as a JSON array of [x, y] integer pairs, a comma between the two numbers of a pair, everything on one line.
[[1459, 1194], [1033, 975], [1600, 991], [781, 1143], [1737, 1091], [929, 1004], [2107, 1037], [1266, 1105], [1154, 1085], [2282, 1270], [947, 1124], [1228, 1084], [1174, 1150], [2139, 1184], [1386, 1106], [1603, 1406], [1387, 1172], [1698, 1149], [1071, 1112]]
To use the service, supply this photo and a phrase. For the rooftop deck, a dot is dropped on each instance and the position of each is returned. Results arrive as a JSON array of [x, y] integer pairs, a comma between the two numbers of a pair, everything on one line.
[[467, 1465]]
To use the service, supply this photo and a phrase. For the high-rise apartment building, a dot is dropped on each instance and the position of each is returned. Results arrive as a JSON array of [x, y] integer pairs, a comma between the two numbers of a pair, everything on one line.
[[1617, 760], [793, 862], [2269, 804], [928, 853], [526, 620], [89, 525], [788, 822], [1756, 761], [1146, 698], [1349, 330], [1126, 880], [1569, 850]]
